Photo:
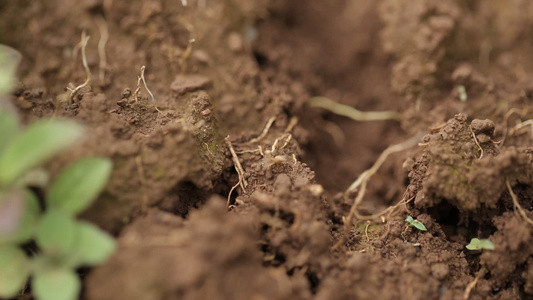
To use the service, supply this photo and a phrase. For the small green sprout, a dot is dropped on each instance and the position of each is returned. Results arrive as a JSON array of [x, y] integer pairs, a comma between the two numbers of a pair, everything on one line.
[[415, 223], [477, 244], [463, 96], [64, 242]]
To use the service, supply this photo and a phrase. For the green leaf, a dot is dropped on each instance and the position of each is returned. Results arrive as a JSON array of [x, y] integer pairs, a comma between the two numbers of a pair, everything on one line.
[[8, 127], [56, 284], [39, 142], [37, 177], [418, 225], [14, 270], [9, 59], [79, 185], [25, 228], [41, 263], [56, 233], [477, 244], [409, 220], [92, 245]]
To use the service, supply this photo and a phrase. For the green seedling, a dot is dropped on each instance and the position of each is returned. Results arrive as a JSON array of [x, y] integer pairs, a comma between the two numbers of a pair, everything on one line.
[[415, 223], [477, 244], [64, 243], [461, 90], [9, 59]]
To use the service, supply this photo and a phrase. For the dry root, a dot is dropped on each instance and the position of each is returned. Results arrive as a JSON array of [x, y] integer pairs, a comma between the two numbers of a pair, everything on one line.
[[74, 91], [265, 131], [238, 167], [517, 206], [352, 113], [137, 92], [362, 182], [470, 287], [104, 37], [477, 143]]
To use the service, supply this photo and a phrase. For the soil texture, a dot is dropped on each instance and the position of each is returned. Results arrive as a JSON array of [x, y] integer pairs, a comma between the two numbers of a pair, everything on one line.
[[228, 185]]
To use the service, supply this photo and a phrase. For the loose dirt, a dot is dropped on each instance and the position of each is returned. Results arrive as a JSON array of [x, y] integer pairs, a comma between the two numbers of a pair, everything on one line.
[[227, 185]]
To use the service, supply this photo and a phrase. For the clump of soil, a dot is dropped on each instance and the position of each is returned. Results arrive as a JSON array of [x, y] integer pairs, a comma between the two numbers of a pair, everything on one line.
[[227, 185]]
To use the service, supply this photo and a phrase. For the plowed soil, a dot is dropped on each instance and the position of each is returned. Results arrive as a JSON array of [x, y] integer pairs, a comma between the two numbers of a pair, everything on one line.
[[228, 185]]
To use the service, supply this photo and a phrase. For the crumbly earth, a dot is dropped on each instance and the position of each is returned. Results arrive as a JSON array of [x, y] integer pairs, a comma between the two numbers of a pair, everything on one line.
[[227, 185]]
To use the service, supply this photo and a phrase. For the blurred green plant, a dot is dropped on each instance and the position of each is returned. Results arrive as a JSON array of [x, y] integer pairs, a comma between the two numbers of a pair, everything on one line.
[[480, 244], [9, 59], [415, 223], [64, 243]]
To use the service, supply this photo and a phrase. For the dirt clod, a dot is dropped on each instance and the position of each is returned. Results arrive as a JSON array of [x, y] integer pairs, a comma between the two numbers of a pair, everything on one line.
[[189, 83]]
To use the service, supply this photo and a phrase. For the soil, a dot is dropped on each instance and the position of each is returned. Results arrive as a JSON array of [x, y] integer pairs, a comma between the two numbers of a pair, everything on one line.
[[227, 185]]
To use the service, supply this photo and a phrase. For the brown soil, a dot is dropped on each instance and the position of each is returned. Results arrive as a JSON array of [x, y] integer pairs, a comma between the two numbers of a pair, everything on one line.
[[254, 64]]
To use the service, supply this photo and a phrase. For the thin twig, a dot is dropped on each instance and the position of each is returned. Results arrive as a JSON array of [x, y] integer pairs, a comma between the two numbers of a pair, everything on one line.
[[521, 211], [351, 112], [292, 123], [73, 92], [265, 131], [366, 231], [413, 141], [522, 125], [231, 191], [362, 181], [185, 56], [287, 141], [104, 37], [248, 151], [477, 143], [137, 92], [145, 86], [237, 163], [388, 210], [469, 288], [506, 120]]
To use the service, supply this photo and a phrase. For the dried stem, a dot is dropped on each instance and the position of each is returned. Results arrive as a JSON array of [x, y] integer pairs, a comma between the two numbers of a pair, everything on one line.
[[145, 86], [292, 124], [351, 112], [104, 37], [477, 143], [362, 182], [237, 163], [517, 206], [231, 192], [522, 125], [470, 287], [381, 159], [137, 92], [265, 131], [506, 120], [185, 56], [73, 92]]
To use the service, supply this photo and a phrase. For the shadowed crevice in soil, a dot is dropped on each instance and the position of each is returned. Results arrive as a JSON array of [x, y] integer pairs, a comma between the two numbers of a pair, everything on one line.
[[332, 49], [184, 197]]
